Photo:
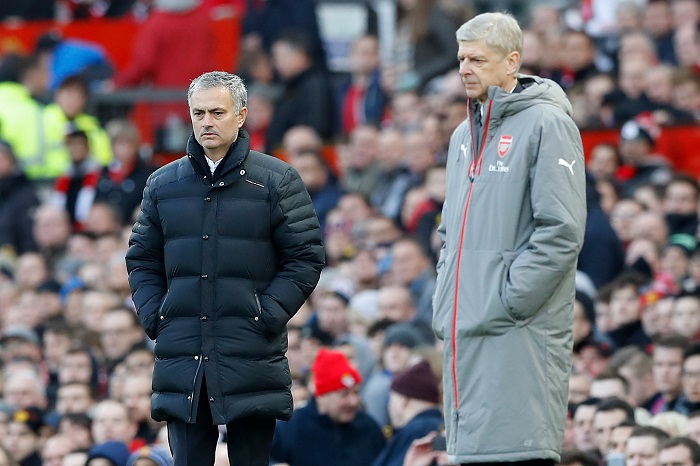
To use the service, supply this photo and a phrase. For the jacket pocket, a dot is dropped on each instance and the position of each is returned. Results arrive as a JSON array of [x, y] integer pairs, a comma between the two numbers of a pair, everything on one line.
[[508, 257], [480, 308]]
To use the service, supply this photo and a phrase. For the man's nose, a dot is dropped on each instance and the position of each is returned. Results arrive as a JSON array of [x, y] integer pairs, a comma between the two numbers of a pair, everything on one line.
[[464, 68], [207, 121]]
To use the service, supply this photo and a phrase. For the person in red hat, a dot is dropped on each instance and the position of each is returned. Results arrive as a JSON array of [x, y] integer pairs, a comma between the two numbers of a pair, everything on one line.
[[331, 428]]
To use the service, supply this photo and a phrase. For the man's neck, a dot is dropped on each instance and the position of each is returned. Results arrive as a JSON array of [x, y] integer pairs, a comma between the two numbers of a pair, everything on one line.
[[509, 87]]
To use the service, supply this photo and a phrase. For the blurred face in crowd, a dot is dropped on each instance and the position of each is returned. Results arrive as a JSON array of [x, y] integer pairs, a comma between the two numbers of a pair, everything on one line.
[[119, 333], [136, 396], [24, 389], [678, 455], [667, 369], [395, 303], [579, 388], [681, 197], [675, 262], [75, 367], [340, 405], [481, 66], [608, 388], [658, 84], [691, 378], [125, 150], [532, 52], [685, 12], [658, 18], [78, 148], [692, 428], [686, 46], [74, 398], [686, 316], [364, 55], [391, 149], [618, 439], [289, 60], [642, 451], [604, 162], [55, 449], [622, 218], [299, 139], [364, 141], [624, 305], [52, 226], [408, 262], [579, 51], [111, 422], [72, 99], [311, 170], [395, 357], [332, 314], [31, 270], [637, 46], [20, 441], [583, 427], [603, 424], [650, 226], [81, 436], [582, 326], [631, 78]]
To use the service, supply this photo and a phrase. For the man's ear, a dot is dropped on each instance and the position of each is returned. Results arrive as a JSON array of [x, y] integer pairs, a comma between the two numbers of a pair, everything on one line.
[[513, 62], [242, 116]]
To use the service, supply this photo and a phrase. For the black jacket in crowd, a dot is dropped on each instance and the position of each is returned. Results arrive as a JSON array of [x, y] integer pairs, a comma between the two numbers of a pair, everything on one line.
[[17, 203], [217, 266]]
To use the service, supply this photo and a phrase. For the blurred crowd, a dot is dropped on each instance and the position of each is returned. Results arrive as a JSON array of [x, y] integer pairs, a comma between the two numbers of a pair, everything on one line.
[[370, 145]]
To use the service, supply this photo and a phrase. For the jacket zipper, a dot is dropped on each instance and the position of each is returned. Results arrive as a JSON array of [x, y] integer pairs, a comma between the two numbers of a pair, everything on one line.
[[257, 301], [194, 384], [474, 164]]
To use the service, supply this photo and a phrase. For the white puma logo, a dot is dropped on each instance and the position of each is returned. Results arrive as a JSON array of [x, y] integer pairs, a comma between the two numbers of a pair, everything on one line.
[[464, 150], [567, 165]]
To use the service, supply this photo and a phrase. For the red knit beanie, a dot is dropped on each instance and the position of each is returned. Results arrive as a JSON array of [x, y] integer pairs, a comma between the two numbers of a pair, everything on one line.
[[419, 382], [332, 371]]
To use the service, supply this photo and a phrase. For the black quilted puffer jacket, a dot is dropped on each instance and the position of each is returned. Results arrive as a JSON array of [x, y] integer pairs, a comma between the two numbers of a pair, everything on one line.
[[217, 266]]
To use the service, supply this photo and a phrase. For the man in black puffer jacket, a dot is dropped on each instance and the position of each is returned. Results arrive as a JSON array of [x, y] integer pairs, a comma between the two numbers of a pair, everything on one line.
[[225, 250]]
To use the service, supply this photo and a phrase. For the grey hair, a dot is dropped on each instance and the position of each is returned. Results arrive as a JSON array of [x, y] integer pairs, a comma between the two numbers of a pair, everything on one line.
[[500, 31], [230, 81]]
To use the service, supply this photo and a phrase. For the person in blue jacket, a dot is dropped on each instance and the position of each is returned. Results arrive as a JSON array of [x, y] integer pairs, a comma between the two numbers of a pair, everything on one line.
[[414, 409]]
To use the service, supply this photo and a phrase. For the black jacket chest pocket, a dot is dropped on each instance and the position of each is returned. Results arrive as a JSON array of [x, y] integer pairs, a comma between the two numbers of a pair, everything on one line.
[[243, 218]]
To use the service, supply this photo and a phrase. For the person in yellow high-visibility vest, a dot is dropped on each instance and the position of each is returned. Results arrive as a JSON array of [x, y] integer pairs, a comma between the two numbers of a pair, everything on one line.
[[69, 104], [21, 116]]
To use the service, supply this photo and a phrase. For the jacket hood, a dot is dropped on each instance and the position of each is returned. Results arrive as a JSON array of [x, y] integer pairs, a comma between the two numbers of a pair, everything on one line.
[[536, 89]]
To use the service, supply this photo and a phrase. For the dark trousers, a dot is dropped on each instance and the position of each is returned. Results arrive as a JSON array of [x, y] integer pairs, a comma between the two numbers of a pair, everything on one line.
[[249, 439], [541, 462]]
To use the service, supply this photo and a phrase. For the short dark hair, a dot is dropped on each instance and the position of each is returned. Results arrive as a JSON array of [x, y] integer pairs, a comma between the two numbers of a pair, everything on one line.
[[650, 431], [692, 350], [610, 374], [686, 442], [612, 404], [673, 341], [587, 402], [572, 457]]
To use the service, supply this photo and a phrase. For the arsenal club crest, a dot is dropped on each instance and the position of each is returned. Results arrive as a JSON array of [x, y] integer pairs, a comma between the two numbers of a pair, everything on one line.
[[504, 144]]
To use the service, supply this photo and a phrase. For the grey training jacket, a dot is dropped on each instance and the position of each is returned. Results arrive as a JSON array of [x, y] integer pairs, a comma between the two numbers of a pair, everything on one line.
[[512, 226]]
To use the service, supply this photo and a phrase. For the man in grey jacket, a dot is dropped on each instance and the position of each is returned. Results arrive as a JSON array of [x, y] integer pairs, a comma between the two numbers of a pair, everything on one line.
[[512, 227]]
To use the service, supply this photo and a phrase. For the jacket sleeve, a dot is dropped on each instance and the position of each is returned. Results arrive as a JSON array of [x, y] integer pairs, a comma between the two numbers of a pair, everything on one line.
[[300, 253], [145, 263], [558, 202]]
